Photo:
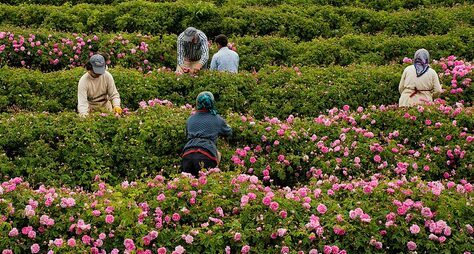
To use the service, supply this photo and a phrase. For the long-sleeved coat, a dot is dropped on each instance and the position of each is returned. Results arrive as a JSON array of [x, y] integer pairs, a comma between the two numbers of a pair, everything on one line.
[[428, 83]]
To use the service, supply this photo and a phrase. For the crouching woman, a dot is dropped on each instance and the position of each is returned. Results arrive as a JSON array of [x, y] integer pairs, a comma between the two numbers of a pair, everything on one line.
[[202, 130]]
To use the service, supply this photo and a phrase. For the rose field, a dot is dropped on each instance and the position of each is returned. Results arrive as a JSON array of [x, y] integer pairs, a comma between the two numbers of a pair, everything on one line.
[[321, 158]]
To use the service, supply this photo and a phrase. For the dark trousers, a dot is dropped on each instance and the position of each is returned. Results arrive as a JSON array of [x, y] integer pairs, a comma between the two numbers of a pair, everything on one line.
[[194, 162]]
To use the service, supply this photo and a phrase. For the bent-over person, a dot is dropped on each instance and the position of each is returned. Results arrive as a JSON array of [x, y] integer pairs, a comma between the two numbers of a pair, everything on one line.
[[96, 90], [202, 130]]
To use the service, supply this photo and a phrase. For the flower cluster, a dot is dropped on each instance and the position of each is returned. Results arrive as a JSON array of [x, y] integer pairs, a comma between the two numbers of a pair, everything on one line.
[[184, 214], [51, 53]]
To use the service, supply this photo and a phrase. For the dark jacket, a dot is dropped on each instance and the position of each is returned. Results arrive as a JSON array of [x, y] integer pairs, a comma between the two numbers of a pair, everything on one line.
[[202, 131]]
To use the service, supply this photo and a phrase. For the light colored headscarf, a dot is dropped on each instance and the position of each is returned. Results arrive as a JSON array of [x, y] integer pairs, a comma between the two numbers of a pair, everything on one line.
[[421, 62], [205, 100]]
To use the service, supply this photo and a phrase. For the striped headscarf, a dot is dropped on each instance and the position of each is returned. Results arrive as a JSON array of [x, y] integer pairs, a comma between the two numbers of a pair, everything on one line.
[[205, 100], [421, 62]]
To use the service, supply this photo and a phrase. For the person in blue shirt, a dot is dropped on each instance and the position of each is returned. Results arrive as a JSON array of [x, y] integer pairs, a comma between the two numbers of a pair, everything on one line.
[[202, 130], [225, 59]]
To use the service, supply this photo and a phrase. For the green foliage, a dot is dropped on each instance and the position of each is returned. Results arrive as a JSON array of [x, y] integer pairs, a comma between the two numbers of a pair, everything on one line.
[[137, 213], [274, 91], [254, 52], [66, 149], [285, 20]]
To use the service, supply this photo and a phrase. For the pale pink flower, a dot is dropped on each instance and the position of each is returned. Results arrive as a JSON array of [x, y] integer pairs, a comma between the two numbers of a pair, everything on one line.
[[281, 232], [32, 234], [365, 218], [411, 246], [129, 244], [237, 237], [179, 250], [245, 249], [71, 242], [414, 229], [13, 232], [35, 248], [161, 197], [189, 239]]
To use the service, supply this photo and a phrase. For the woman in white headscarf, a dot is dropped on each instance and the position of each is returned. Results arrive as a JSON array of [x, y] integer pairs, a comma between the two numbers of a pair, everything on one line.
[[419, 82]]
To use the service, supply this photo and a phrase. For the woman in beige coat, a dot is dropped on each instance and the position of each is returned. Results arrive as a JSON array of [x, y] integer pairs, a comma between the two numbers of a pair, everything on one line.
[[419, 82]]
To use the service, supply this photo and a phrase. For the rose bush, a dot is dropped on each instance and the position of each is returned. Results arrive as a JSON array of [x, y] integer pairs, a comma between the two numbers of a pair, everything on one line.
[[432, 142], [131, 50], [236, 213], [263, 93], [307, 23], [372, 4]]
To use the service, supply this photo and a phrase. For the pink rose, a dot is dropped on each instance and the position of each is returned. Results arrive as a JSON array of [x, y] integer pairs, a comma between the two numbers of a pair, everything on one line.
[[322, 209], [274, 206], [161, 197], [245, 249], [267, 200], [129, 244], [411, 246], [109, 219], [237, 236], [176, 217], [414, 229], [58, 242], [71, 242], [13, 232], [35, 248]]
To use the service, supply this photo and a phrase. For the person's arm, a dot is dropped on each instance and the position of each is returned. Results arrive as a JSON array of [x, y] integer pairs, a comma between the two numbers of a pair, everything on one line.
[[225, 130], [436, 85], [180, 46], [238, 62], [214, 63], [112, 92], [82, 102], [204, 51], [401, 86]]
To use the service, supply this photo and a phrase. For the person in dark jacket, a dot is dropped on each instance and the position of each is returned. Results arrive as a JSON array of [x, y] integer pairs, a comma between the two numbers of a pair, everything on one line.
[[202, 130]]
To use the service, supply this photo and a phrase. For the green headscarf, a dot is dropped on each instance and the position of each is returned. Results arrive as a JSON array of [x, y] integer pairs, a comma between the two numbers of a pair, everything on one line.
[[205, 100]]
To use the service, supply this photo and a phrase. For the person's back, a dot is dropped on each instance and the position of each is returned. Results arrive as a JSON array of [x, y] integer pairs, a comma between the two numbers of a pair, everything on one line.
[[225, 59], [202, 130], [418, 82]]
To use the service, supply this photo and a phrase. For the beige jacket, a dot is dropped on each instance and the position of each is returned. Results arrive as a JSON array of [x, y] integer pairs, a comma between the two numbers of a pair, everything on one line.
[[428, 83], [95, 93]]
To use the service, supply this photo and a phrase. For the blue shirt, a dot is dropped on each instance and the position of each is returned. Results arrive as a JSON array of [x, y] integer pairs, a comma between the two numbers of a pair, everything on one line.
[[225, 60], [203, 129]]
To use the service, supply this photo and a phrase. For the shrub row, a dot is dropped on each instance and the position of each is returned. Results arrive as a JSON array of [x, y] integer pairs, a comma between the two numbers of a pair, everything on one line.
[[229, 213], [290, 21], [52, 51], [371, 4], [433, 143], [275, 91]]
